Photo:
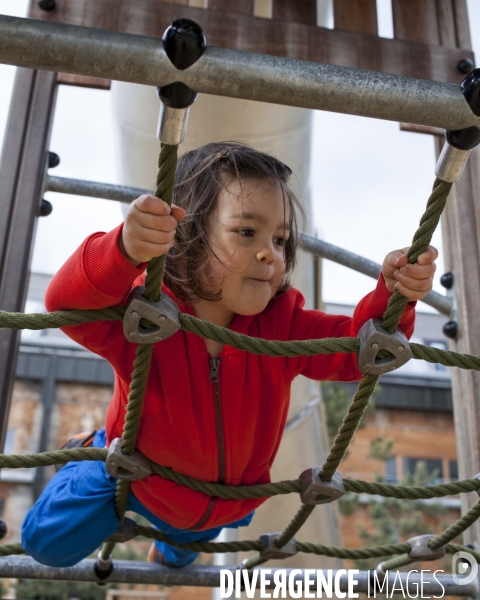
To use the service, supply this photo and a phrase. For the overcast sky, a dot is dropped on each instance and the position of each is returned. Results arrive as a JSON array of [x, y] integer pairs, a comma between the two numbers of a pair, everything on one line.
[[370, 181]]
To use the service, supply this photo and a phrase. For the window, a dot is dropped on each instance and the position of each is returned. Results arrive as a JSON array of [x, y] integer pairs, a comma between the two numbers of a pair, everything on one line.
[[453, 468], [440, 346], [432, 466], [9, 440], [391, 470]]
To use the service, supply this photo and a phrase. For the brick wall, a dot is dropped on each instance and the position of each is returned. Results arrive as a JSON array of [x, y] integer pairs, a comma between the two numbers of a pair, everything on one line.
[[77, 407]]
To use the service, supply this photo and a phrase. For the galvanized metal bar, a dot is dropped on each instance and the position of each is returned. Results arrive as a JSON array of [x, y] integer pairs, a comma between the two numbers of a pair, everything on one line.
[[24, 567], [95, 189], [363, 265], [233, 73], [22, 170], [343, 257], [309, 243]]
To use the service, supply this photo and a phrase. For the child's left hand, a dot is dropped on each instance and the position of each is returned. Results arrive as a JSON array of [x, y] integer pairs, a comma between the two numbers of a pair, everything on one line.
[[413, 281]]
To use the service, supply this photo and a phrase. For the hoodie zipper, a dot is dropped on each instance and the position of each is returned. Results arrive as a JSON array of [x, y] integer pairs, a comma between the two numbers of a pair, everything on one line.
[[214, 378], [206, 514]]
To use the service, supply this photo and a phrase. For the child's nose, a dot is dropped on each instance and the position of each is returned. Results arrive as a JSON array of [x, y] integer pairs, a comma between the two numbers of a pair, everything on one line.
[[266, 254]]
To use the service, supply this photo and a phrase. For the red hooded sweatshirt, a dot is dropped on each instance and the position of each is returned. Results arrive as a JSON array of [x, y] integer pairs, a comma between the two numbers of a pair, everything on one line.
[[212, 421]]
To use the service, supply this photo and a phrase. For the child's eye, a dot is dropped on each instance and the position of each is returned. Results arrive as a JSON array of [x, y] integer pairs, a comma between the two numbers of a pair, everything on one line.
[[246, 232], [279, 241]]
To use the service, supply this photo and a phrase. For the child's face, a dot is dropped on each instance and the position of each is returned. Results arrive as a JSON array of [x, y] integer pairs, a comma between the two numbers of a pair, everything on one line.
[[247, 233]]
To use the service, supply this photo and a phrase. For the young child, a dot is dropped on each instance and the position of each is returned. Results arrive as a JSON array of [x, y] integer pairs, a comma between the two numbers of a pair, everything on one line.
[[210, 411]]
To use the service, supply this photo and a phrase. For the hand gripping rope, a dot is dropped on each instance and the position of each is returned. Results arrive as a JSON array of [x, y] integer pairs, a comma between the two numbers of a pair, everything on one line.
[[184, 43], [149, 317]]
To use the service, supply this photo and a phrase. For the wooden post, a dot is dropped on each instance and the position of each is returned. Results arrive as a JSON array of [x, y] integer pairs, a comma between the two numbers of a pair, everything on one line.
[[448, 23], [298, 12], [461, 246], [416, 20], [356, 15], [22, 170]]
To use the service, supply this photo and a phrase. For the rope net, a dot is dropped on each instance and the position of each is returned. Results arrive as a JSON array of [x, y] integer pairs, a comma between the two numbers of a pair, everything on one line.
[[391, 319]]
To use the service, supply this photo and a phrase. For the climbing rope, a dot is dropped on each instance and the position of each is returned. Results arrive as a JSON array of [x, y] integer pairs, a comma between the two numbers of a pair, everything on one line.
[[391, 319], [240, 341], [254, 545], [167, 165], [243, 492]]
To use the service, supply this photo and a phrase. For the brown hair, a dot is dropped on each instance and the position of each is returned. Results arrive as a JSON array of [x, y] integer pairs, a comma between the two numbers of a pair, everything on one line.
[[201, 175]]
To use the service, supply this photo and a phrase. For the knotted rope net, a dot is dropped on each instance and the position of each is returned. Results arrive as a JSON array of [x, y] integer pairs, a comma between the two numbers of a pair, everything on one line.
[[391, 318]]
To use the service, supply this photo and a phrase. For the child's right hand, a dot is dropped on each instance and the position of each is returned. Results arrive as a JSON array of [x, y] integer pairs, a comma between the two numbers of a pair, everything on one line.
[[149, 229]]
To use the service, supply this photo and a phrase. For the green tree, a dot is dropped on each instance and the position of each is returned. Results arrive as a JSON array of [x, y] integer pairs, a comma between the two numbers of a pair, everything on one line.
[[336, 400], [393, 520], [37, 589], [381, 449]]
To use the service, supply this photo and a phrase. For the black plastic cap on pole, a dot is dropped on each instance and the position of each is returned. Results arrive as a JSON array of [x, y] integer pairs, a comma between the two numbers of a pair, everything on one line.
[[102, 572], [177, 95], [464, 139], [450, 329], [466, 65], [184, 43], [447, 280], [3, 529], [468, 138], [45, 208], [53, 160], [471, 90], [46, 4]]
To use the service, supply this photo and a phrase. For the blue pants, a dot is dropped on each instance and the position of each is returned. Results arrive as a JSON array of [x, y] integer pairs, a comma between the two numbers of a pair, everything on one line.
[[76, 512]]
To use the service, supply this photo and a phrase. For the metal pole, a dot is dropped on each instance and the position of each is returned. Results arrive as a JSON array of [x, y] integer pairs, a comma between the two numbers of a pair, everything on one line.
[[232, 73], [22, 170], [95, 189], [24, 567], [339, 255], [365, 266], [309, 243]]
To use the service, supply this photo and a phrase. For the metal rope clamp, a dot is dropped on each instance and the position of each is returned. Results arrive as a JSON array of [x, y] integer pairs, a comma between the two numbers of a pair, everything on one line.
[[268, 548], [374, 339], [103, 568], [162, 314], [421, 550], [126, 466], [460, 143], [316, 491], [125, 532]]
